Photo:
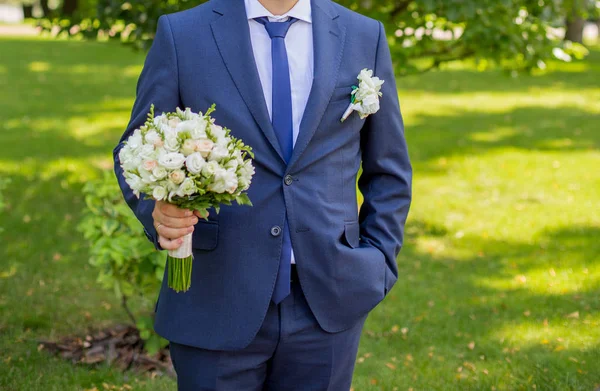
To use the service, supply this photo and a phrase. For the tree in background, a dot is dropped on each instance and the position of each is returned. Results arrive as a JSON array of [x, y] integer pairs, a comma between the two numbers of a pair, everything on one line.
[[29, 6], [576, 13], [423, 34]]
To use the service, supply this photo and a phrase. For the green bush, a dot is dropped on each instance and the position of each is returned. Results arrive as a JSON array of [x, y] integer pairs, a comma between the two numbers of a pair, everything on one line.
[[125, 260]]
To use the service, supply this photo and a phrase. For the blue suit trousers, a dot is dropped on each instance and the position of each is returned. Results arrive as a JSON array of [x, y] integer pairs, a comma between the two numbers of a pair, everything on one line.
[[290, 352]]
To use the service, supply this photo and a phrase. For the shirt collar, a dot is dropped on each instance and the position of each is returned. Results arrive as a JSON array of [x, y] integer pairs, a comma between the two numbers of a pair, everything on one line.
[[301, 11]]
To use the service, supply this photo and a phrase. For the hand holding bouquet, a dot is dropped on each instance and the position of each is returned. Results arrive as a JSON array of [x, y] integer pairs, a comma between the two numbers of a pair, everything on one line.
[[185, 159]]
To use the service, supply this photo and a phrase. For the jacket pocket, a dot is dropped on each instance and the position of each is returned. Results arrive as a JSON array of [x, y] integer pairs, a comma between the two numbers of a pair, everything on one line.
[[341, 94], [205, 236], [351, 235]]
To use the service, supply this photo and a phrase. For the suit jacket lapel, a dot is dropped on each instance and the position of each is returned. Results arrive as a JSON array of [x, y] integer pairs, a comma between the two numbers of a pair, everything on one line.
[[232, 35], [329, 37]]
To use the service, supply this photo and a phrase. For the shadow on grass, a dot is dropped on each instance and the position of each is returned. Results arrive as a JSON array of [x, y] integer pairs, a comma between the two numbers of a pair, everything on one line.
[[491, 310], [531, 128], [56, 89]]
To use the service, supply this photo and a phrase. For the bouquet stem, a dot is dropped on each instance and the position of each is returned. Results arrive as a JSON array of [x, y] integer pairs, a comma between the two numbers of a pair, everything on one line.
[[180, 266]]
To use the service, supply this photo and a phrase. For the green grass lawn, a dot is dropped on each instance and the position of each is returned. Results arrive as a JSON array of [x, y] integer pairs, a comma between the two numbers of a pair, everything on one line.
[[499, 277]]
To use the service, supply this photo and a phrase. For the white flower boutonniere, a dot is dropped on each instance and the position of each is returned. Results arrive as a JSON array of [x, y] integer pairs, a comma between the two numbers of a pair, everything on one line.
[[365, 97]]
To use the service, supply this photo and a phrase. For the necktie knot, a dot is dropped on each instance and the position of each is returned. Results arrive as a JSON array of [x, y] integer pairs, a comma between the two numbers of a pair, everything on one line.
[[276, 29]]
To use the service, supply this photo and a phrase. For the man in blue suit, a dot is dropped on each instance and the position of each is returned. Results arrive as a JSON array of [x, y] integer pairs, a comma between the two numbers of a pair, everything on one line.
[[280, 291]]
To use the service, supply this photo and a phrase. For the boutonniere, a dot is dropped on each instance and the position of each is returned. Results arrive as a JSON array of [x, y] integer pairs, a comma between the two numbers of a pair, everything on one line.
[[365, 97]]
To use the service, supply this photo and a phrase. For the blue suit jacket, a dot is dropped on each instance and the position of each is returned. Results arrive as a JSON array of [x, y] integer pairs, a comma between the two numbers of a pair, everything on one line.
[[346, 261]]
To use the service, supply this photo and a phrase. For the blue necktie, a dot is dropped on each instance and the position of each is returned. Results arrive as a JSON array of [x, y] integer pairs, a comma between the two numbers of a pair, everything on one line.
[[283, 124]]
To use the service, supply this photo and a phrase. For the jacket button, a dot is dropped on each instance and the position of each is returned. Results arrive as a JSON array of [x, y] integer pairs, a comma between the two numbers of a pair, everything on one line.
[[276, 231], [288, 180]]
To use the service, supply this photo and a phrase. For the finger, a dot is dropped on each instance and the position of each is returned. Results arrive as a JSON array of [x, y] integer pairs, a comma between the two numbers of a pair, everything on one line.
[[199, 215], [174, 233], [173, 222], [167, 244], [173, 211]]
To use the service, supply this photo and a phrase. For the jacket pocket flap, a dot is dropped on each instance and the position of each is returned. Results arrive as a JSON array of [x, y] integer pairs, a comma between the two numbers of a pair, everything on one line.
[[352, 234], [205, 236]]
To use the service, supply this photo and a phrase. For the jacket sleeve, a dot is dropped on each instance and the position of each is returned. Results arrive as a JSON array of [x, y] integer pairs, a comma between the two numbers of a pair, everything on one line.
[[158, 84], [387, 173]]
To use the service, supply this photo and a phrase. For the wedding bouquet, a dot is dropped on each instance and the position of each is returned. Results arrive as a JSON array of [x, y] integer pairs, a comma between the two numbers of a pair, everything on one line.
[[185, 159]]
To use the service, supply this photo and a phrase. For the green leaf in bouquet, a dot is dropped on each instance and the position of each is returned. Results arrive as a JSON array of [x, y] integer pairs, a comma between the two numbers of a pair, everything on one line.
[[243, 199], [211, 110]]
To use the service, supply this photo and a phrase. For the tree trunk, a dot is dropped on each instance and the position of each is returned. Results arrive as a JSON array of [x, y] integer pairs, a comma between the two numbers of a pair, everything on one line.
[[69, 7], [574, 31], [45, 8], [27, 11]]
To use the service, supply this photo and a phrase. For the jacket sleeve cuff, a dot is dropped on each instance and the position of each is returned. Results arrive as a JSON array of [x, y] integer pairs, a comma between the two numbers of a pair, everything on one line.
[[153, 239]]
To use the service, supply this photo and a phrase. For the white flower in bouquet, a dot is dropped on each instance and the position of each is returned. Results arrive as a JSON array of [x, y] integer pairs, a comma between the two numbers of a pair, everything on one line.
[[199, 130], [210, 168], [184, 158], [159, 173], [171, 141], [187, 188], [177, 176], [188, 147], [153, 138], [194, 163], [150, 165], [204, 146], [172, 160], [159, 193], [219, 152]]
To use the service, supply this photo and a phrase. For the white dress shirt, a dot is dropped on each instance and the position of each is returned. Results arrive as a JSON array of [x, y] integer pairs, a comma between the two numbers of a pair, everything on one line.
[[300, 51]]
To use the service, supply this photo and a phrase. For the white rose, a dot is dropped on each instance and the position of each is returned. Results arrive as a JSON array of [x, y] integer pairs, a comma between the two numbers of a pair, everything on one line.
[[177, 176], [160, 120], [125, 154], [133, 163], [159, 173], [188, 147], [159, 193], [166, 129], [199, 129], [171, 161], [150, 165], [185, 127], [135, 182], [146, 151], [218, 153], [195, 162], [187, 188], [210, 168], [231, 181], [245, 174], [174, 122], [232, 164], [204, 146], [217, 131], [135, 140], [152, 137], [147, 177], [171, 142], [219, 184]]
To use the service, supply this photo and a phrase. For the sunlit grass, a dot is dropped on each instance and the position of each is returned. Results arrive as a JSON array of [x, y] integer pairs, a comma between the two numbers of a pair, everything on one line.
[[500, 271]]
